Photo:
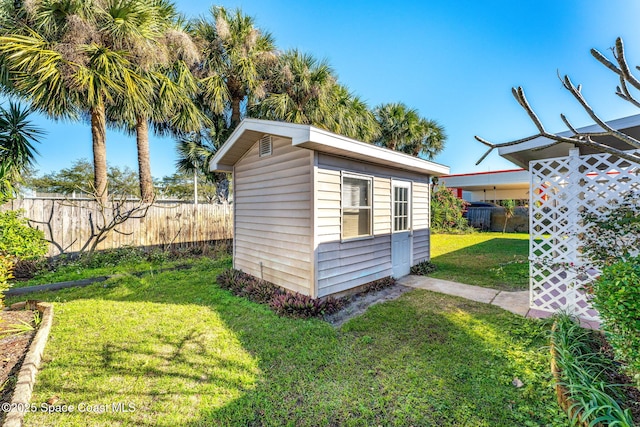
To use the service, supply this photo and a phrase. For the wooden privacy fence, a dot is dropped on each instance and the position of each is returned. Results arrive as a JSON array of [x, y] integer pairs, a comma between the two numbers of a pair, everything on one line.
[[70, 223]]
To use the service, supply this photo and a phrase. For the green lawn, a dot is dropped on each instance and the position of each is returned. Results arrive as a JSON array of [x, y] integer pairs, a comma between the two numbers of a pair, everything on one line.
[[493, 260], [183, 352], [114, 261]]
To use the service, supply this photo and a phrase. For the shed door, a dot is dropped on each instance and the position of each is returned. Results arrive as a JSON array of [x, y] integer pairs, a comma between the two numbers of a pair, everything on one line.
[[401, 228]]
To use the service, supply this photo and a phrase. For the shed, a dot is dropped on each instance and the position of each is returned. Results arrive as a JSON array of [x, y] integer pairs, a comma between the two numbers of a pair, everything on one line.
[[319, 213]]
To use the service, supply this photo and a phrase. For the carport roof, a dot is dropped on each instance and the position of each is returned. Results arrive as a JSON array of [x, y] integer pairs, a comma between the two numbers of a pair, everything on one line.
[[521, 154]]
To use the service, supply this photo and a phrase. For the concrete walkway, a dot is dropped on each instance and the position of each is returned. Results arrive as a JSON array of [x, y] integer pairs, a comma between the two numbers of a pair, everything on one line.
[[515, 302]]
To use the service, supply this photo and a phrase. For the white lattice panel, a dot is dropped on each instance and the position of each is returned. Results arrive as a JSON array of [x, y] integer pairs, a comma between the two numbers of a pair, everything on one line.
[[562, 191]]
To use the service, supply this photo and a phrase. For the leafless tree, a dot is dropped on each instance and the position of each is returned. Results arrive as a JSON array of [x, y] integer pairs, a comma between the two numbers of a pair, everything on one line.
[[110, 214], [585, 139]]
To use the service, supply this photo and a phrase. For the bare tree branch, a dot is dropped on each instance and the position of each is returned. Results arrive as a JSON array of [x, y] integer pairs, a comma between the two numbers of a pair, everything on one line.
[[622, 62], [584, 139], [518, 93], [568, 124]]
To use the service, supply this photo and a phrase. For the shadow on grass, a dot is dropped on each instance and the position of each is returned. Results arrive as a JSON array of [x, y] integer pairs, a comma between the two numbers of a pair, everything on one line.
[[499, 263], [424, 359]]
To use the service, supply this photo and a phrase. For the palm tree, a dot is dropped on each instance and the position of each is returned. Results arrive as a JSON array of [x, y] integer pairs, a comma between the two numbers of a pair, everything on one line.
[[196, 149], [305, 90], [76, 56], [402, 129], [351, 116], [301, 91], [170, 107], [430, 141], [17, 153], [236, 56]]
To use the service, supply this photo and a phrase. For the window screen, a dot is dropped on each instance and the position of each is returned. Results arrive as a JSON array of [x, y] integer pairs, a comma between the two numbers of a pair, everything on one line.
[[356, 207]]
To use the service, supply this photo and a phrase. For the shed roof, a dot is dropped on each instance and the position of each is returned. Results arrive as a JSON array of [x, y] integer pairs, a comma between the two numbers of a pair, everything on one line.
[[521, 154], [313, 138]]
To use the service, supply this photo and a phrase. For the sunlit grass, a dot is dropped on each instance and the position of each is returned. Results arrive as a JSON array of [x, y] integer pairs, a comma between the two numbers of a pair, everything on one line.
[[493, 260], [184, 352]]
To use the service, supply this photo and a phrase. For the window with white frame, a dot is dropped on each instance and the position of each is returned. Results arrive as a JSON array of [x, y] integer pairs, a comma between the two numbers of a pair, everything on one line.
[[400, 208], [356, 207]]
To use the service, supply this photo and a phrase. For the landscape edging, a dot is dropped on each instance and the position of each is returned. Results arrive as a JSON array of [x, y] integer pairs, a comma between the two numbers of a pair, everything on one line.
[[27, 374]]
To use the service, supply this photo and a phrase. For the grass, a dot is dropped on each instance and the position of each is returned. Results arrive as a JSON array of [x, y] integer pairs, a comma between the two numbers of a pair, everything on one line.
[[77, 272], [117, 261], [183, 352], [492, 260]]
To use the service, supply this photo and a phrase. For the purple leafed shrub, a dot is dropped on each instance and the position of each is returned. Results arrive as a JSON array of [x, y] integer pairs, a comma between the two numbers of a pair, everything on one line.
[[302, 306], [282, 302], [378, 285], [260, 291], [230, 280]]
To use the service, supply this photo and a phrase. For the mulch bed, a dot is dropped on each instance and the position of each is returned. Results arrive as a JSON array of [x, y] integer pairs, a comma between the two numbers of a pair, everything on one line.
[[13, 349]]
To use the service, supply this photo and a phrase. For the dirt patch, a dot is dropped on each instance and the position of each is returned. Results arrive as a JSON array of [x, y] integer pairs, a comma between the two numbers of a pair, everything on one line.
[[358, 304], [13, 347]]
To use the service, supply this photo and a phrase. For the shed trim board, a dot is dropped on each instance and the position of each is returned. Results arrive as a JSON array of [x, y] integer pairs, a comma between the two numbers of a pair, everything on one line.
[[314, 224], [290, 205], [401, 232]]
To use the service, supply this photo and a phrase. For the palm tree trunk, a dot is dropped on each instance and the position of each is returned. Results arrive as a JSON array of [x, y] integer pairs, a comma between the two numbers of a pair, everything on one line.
[[99, 138], [235, 112], [144, 165]]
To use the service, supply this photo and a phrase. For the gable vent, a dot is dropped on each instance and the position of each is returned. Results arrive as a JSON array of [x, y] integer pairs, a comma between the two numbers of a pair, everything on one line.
[[265, 146]]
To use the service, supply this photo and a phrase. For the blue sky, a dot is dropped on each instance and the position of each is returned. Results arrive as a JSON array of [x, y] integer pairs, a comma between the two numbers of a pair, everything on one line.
[[453, 61]]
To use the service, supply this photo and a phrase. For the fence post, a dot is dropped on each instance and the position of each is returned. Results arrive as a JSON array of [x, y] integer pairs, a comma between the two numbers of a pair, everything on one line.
[[573, 216]]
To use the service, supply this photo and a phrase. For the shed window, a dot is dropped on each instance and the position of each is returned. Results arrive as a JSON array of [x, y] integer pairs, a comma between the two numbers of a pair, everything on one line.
[[356, 207]]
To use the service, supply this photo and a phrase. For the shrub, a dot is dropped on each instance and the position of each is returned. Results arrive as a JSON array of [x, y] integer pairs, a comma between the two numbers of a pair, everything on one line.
[[6, 267], [447, 210], [613, 235], [260, 291], [18, 239], [423, 268], [25, 269], [282, 302], [616, 296], [377, 285], [113, 257], [230, 279], [581, 380], [302, 306]]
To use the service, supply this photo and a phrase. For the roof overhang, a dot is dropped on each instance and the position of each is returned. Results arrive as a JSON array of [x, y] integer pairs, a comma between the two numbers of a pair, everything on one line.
[[540, 148], [313, 138], [500, 180]]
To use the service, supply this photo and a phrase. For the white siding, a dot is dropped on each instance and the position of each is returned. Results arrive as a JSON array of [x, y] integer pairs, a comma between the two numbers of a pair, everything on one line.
[[328, 193], [345, 265], [381, 206], [273, 215], [421, 226]]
